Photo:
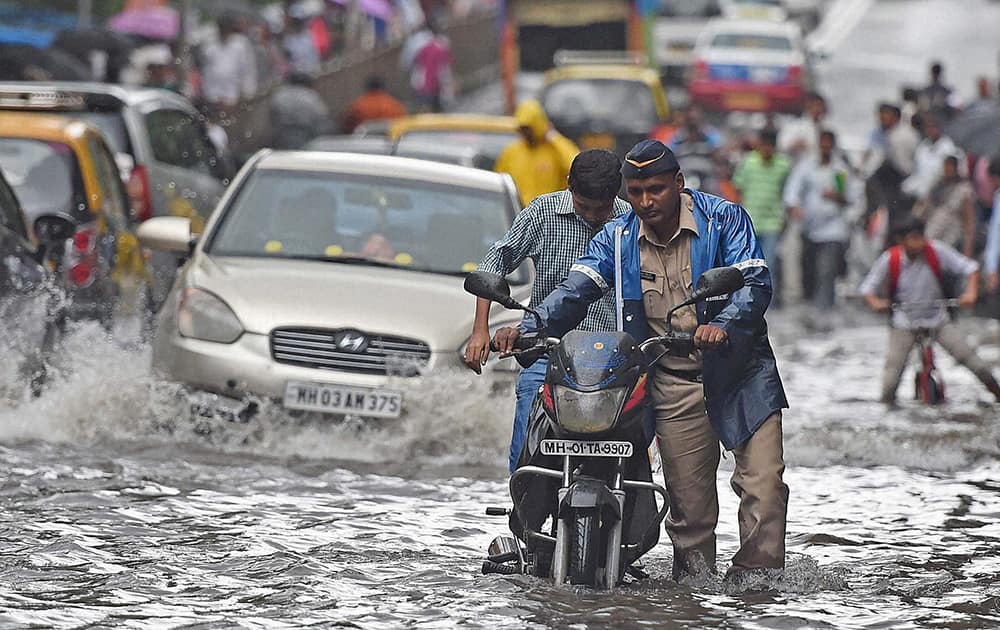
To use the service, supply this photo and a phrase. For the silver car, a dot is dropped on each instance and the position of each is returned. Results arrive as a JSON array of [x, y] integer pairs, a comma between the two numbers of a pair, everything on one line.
[[324, 280], [159, 140]]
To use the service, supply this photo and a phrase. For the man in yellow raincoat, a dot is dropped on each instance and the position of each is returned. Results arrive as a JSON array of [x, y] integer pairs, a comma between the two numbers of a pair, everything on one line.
[[539, 160]]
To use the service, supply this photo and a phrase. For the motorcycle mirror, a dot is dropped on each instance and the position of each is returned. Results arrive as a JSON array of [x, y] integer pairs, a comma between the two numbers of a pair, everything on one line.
[[718, 281], [490, 286], [713, 283], [53, 228]]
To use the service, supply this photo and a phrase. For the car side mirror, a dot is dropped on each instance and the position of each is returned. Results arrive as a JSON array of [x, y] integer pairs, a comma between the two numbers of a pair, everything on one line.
[[490, 286], [51, 229], [171, 234]]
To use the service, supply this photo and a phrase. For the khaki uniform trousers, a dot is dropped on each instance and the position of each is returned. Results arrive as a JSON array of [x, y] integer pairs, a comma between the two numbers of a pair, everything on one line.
[[690, 450]]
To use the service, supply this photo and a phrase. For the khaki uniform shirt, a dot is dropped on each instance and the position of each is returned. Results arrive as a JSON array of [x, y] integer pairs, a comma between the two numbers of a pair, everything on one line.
[[665, 272]]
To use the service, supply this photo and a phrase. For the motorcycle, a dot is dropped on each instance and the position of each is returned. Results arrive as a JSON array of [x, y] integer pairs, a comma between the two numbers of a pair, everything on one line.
[[584, 506]]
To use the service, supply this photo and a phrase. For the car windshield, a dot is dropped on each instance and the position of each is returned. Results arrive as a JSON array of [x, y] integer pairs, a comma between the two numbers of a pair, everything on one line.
[[607, 104], [363, 220], [689, 8], [112, 125], [751, 41], [10, 209], [489, 143], [44, 175]]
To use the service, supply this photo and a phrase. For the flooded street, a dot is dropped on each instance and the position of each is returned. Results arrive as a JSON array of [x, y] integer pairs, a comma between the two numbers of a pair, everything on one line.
[[118, 510], [121, 509]]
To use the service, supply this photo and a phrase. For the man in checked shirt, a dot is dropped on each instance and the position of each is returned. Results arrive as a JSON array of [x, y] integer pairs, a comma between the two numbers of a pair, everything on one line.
[[553, 231]]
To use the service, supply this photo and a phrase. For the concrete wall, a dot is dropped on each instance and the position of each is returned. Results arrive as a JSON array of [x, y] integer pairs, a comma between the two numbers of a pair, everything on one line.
[[475, 49]]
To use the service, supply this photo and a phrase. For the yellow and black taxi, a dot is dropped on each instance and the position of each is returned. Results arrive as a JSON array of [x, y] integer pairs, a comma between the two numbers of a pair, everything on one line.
[[63, 167], [604, 101], [477, 139]]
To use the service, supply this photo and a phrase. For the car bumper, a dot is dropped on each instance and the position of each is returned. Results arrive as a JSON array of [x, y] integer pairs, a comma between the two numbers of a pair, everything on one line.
[[733, 96], [245, 368]]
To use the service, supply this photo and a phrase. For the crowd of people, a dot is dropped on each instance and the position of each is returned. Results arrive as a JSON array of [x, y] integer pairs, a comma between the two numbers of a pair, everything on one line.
[[821, 213], [283, 51]]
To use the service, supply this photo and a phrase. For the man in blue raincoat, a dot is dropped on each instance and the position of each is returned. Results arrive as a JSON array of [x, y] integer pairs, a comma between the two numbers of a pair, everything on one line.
[[728, 390]]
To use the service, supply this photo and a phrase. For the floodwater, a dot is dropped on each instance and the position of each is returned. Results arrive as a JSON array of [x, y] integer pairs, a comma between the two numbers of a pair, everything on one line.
[[120, 511]]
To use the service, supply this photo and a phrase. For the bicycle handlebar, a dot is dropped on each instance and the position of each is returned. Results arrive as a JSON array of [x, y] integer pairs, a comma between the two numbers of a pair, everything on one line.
[[902, 306]]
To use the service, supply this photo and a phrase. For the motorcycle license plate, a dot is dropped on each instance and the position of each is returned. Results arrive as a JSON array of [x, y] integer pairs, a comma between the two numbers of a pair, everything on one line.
[[374, 403], [576, 448]]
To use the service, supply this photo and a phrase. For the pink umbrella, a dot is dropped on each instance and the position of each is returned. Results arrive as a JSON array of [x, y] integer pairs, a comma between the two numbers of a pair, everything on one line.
[[153, 22]]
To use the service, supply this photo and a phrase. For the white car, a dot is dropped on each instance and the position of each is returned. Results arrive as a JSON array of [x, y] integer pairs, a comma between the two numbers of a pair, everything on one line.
[[324, 280], [751, 65], [805, 12]]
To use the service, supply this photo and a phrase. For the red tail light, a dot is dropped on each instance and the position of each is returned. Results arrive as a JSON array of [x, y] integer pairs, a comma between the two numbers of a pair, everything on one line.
[[795, 74], [83, 241], [637, 398], [139, 193], [81, 259], [700, 70], [547, 401], [81, 274]]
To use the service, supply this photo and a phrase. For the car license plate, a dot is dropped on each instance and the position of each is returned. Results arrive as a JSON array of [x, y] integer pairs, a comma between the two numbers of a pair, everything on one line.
[[576, 448], [375, 403], [745, 101], [597, 141]]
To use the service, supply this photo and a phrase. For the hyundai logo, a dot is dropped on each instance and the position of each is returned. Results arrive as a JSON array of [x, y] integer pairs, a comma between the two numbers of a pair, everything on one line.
[[351, 341]]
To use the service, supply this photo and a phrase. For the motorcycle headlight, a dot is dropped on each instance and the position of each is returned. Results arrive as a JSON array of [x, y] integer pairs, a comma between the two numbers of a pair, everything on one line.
[[588, 412], [202, 315]]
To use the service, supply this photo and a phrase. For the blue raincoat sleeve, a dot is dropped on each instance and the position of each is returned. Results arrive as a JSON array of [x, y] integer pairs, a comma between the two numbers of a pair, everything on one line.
[[744, 313], [588, 280]]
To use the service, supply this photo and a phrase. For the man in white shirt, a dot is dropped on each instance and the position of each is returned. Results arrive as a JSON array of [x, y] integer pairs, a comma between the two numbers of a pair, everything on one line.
[[799, 138], [928, 159], [229, 69]]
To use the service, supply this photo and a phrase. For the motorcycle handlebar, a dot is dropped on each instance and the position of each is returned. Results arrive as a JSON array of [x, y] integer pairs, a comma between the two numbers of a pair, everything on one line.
[[526, 343]]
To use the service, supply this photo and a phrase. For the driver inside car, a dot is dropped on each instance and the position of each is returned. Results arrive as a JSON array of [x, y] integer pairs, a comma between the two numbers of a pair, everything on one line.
[[728, 391]]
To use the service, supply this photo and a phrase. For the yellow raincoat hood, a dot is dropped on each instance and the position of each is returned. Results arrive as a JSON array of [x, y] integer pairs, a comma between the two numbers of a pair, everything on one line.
[[530, 114]]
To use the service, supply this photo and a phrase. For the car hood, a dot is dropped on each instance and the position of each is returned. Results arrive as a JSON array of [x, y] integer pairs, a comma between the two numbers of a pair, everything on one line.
[[270, 293]]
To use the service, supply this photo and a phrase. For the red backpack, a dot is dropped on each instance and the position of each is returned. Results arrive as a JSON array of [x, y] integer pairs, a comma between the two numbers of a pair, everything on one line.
[[896, 266]]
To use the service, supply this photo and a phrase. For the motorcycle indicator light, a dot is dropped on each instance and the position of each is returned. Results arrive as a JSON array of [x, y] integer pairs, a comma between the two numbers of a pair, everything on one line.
[[637, 397], [547, 402]]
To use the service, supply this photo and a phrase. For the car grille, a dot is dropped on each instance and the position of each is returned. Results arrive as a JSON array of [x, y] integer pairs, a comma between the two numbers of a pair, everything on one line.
[[317, 348]]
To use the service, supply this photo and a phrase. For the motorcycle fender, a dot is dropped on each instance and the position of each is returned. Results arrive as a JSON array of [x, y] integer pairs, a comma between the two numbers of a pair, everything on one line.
[[590, 493]]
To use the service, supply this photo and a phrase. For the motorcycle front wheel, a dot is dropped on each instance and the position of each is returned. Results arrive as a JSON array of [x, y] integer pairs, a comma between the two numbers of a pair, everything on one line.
[[584, 547]]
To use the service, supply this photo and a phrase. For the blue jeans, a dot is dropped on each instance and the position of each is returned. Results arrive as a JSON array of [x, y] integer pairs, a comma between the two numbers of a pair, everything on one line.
[[528, 384]]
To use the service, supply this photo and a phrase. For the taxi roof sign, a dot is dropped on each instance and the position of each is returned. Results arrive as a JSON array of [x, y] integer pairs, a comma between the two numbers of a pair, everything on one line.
[[598, 57]]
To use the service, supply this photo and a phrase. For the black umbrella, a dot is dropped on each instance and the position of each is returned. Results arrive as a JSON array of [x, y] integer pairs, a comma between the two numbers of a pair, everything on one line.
[[977, 132], [19, 62], [214, 9], [82, 42]]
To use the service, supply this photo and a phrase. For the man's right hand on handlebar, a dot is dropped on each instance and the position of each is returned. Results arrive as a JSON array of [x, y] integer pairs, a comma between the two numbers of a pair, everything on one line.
[[504, 339]]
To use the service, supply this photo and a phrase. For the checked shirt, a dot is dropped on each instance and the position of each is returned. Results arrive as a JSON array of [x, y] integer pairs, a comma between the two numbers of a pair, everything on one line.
[[550, 233]]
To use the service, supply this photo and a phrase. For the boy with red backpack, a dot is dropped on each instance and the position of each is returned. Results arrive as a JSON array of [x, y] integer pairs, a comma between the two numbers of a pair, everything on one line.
[[920, 273]]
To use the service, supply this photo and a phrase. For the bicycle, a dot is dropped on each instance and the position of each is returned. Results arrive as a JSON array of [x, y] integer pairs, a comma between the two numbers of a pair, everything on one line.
[[928, 386]]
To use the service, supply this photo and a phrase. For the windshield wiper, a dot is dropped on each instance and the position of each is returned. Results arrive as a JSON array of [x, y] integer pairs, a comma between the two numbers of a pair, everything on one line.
[[347, 260]]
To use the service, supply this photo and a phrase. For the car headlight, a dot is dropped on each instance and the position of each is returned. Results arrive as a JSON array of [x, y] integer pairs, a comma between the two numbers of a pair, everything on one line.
[[588, 412], [203, 315]]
